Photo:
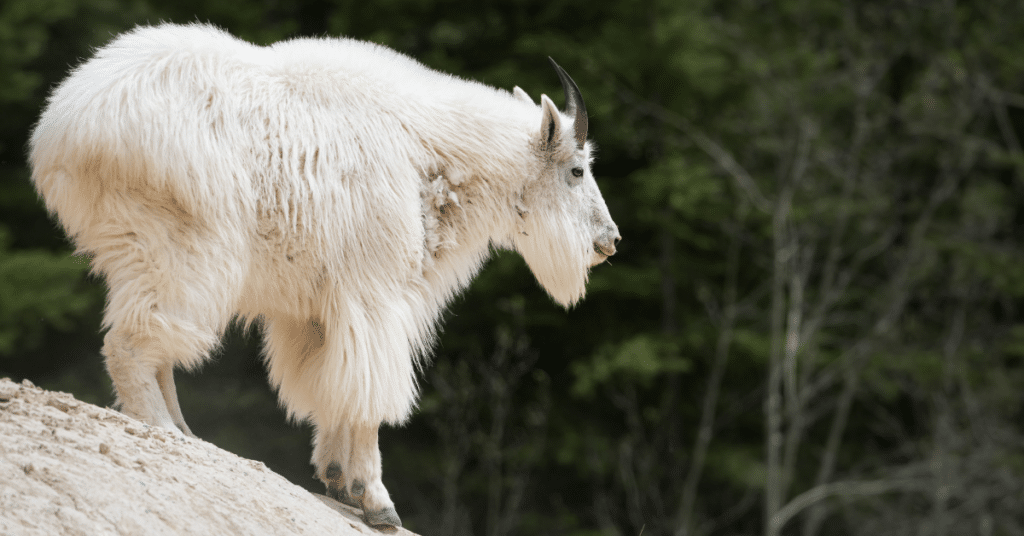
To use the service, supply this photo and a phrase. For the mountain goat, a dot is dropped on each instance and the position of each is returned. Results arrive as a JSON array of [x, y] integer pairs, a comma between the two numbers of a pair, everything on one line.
[[333, 191]]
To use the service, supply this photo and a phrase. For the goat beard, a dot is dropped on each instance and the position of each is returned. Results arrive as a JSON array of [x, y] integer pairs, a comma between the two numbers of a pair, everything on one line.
[[559, 257]]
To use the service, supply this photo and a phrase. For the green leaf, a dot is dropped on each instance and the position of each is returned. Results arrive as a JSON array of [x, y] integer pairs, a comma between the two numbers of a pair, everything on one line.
[[640, 358]]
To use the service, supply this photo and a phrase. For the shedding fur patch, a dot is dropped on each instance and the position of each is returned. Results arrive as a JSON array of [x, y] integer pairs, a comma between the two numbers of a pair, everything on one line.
[[442, 214]]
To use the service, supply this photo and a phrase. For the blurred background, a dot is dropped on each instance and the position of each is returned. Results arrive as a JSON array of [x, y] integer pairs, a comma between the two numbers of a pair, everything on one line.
[[813, 325]]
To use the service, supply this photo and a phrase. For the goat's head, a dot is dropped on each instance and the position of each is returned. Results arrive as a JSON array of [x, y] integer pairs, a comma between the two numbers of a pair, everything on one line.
[[565, 228]]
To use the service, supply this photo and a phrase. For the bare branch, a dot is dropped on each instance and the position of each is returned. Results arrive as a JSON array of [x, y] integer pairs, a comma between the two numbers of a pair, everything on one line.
[[1013, 99], [782, 250], [842, 489]]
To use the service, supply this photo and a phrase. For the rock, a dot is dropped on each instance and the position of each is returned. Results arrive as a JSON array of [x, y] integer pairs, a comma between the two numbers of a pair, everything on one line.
[[68, 467]]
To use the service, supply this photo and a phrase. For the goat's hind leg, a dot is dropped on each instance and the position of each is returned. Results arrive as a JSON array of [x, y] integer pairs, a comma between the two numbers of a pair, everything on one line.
[[134, 367], [142, 348], [165, 379], [152, 329], [169, 296]]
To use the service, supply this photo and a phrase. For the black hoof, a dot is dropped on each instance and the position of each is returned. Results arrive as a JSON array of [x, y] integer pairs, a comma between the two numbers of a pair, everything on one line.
[[341, 495], [383, 519]]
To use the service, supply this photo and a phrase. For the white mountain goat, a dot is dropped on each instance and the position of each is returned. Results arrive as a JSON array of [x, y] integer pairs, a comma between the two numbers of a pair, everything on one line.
[[333, 191]]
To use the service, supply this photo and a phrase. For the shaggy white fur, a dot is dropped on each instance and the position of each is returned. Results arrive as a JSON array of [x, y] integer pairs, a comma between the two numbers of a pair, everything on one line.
[[333, 190]]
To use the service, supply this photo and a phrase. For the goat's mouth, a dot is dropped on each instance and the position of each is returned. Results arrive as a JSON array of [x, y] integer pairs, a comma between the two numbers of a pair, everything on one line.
[[600, 250], [599, 256]]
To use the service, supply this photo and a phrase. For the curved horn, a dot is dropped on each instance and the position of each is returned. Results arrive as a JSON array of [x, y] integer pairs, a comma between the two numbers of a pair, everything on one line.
[[573, 104]]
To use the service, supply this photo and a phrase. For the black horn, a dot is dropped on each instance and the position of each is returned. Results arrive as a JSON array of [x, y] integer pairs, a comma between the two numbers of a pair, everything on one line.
[[573, 104]]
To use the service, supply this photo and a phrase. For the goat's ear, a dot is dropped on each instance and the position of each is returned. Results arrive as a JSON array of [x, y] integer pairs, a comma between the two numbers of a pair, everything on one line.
[[550, 123], [522, 95]]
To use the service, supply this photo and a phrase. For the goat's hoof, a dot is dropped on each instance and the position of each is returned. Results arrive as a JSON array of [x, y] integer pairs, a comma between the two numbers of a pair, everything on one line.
[[383, 519], [341, 495]]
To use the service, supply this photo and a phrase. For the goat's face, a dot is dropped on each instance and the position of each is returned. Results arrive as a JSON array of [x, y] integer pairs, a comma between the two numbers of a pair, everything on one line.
[[565, 228]]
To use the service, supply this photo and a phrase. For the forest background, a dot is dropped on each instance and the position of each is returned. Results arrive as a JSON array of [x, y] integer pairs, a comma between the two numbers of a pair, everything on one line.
[[813, 325]]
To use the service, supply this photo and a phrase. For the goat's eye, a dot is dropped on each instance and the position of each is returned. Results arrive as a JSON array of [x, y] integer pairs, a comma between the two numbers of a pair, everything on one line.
[[577, 172]]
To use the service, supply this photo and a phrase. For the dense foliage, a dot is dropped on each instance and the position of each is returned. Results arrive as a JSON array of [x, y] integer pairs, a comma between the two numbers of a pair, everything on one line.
[[812, 324]]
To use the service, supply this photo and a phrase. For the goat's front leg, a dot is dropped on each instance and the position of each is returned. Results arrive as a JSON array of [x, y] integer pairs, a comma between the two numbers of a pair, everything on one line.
[[348, 462]]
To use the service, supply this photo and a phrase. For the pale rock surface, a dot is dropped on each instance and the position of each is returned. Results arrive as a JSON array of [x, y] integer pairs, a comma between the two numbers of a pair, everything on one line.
[[72, 468]]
